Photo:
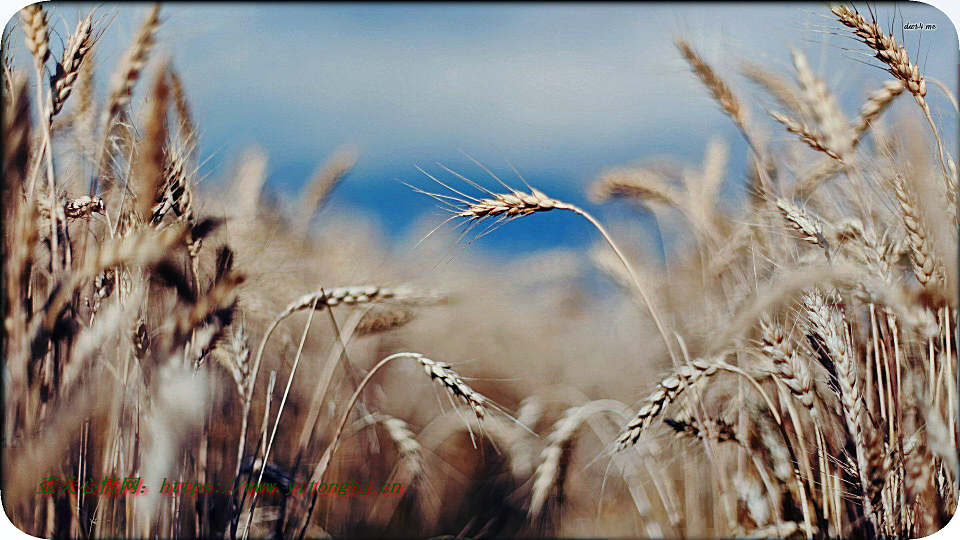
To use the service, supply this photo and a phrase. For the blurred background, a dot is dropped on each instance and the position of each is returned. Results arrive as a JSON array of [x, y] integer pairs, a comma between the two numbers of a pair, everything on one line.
[[558, 91]]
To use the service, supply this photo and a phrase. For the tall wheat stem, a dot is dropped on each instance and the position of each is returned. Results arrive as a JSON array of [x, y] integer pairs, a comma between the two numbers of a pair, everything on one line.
[[636, 281], [335, 442], [283, 401]]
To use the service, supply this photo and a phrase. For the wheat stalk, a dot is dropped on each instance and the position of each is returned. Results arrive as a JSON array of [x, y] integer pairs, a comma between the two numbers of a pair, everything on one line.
[[504, 207]]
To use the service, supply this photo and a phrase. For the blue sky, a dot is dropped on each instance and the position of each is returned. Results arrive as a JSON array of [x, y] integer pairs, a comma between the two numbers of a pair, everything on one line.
[[561, 91]]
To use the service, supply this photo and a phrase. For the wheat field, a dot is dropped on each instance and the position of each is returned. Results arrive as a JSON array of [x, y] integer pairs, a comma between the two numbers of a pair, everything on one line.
[[789, 369]]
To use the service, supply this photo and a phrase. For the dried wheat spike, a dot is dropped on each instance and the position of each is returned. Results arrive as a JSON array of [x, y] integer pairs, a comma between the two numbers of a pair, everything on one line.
[[829, 324], [667, 391], [821, 106], [382, 320], [511, 205], [150, 154], [800, 221], [717, 87], [807, 134], [719, 430], [638, 184], [551, 471], [175, 194], [181, 105], [877, 102], [232, 352], [451, 380], [62, 82], [362, 294], [775, 85], [924, 267], [133, 63], [793, 371], [888, 50], [322, 184], [411, 452], [36, 32]]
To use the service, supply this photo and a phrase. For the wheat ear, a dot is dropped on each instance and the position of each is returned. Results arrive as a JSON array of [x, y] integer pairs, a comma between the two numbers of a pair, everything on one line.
[[924, 266], [829, 324], [807, 134], [896, 58], [68, 70], [504, 207], [438, 371], [671, 387]]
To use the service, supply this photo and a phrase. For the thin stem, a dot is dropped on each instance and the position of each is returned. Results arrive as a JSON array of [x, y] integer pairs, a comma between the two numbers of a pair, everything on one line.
[[248, 399], [283, 401], [335, 442], [943, 162], [337, 353], [636, 281], [48, 154]]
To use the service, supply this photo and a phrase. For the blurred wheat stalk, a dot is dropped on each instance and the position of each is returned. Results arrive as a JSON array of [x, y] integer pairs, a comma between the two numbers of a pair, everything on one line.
[[126, 333]]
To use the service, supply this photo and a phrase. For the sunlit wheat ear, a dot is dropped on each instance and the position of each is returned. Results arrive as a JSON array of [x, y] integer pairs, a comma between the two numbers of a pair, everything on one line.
[[411, 452], [551, 471], [68, 70], [808, 226], [718, 88], [383, 320], [670, 388], [121, 88], [790, 365], [807, 134], [643, 186], [37, 31], [886, 47], [500, 207], [897, 59], [876, 102], [924, 265], [453, 383], [504, 207]]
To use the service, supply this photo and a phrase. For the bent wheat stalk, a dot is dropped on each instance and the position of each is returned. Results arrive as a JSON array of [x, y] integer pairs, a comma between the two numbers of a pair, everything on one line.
[[505, 207], [439, 371]]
